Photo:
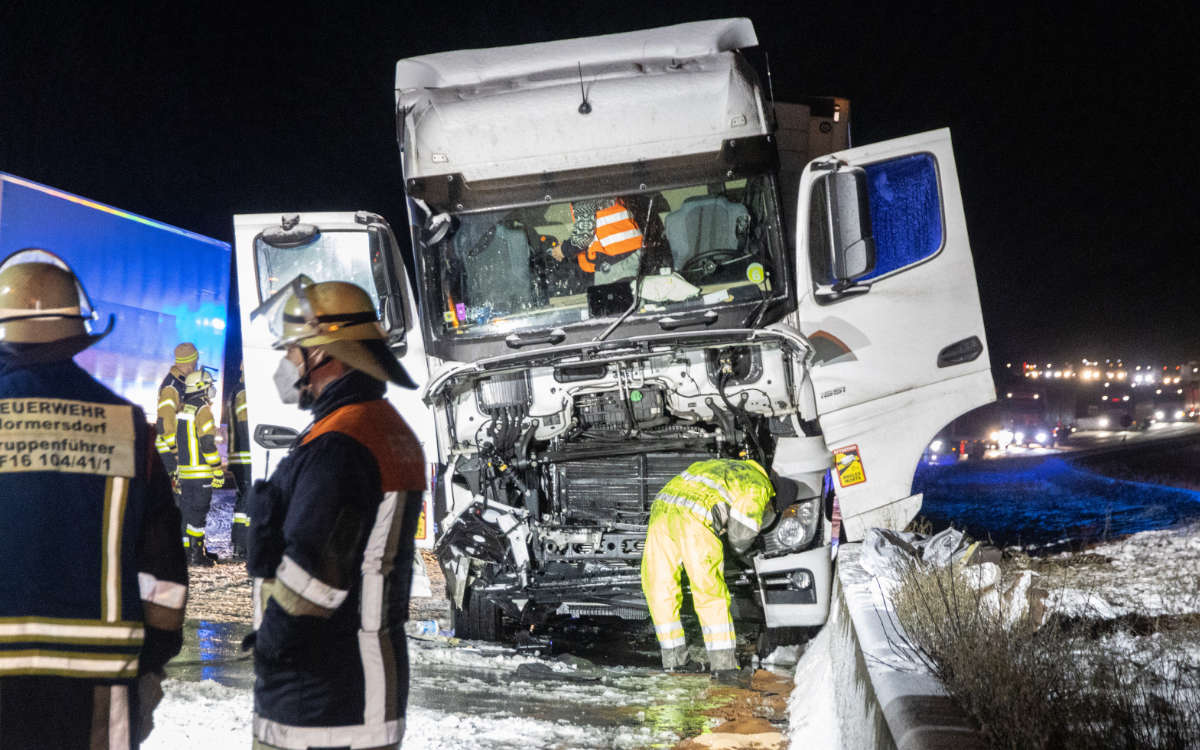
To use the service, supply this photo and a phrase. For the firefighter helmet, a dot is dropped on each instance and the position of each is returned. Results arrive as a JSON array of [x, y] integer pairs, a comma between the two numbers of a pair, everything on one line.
[[186, 353], [42, 302], [199, 382], [340, 318]]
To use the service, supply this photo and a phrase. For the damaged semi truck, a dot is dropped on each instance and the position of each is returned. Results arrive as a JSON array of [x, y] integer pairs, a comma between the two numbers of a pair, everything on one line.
[[629, 258]]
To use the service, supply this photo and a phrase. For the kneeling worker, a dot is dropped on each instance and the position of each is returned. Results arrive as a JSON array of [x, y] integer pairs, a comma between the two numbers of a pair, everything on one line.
[[686, 521]]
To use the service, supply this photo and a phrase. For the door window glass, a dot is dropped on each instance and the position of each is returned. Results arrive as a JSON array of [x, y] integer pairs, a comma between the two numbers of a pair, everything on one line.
[[906, 212]]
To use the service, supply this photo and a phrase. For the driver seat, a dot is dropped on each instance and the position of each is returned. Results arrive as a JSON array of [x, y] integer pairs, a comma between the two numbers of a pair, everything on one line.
[[499, 275], [704, 223]]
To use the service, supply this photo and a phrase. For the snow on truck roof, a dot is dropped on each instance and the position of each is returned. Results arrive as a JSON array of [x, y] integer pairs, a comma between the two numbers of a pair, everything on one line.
[[512, 111], [475, 66]]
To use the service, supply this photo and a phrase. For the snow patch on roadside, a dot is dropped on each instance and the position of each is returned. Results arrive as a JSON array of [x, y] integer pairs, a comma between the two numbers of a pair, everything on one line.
[[201, 714], [812, 715]]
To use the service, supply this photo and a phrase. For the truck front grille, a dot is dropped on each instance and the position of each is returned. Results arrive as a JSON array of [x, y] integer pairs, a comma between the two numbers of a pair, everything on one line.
[[616, 489]]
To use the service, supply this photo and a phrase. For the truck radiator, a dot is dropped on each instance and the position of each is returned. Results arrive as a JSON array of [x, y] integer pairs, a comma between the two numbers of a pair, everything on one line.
[[618, 489]]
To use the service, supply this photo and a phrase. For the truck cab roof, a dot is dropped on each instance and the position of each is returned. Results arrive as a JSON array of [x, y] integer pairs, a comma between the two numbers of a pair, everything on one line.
[[508, 111]]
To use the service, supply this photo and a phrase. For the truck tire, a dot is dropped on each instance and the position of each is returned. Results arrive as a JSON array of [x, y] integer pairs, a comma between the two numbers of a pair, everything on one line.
[[478, 620]]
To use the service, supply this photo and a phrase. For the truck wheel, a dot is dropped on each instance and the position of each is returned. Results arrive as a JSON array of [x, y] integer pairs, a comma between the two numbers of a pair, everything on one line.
[[478, 620]]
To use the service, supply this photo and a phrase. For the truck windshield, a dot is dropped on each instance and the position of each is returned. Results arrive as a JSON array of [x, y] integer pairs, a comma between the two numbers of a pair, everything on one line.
[[336, 255], [555, 264]]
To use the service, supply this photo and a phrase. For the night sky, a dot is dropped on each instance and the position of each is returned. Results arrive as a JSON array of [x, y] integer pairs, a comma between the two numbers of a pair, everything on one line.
[[1074, 130]]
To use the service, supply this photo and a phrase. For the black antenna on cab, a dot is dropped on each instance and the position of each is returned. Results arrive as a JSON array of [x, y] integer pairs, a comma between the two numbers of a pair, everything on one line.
[[770, 83], [585, 106]]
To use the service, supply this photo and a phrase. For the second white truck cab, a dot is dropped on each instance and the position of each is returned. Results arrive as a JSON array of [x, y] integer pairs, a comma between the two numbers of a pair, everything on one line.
[[823, 320]]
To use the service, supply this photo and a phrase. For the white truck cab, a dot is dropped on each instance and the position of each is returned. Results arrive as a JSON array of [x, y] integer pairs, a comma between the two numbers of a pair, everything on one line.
[[790, 299]]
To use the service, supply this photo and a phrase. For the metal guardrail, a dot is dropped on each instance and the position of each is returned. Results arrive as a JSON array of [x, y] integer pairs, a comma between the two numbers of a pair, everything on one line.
[[885, 699]]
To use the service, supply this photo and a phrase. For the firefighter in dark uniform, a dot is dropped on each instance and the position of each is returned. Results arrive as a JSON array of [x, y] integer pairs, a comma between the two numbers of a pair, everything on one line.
[[92, 577], [199, 463], [238, 430], [170, 396], [332, 532]]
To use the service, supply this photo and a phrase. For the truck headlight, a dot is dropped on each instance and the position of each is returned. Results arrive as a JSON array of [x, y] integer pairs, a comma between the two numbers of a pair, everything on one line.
[[798, 525]]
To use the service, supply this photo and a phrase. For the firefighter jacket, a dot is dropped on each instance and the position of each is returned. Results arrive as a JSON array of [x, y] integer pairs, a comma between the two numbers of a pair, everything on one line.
[[239, 427], [92, 576], [170, 396], [331, 550], [196, 440], [726, 495]]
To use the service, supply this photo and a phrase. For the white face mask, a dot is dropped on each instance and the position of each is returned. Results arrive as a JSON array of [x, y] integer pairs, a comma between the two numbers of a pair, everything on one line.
[[287, 375]]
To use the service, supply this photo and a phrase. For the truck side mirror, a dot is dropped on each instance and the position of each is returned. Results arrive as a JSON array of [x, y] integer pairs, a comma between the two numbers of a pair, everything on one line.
[[290, 233], [437, 227], [848, 225]]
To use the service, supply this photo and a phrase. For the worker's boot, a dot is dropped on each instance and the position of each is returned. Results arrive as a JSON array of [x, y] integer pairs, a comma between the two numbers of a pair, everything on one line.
[[197, 555], [674, 658]]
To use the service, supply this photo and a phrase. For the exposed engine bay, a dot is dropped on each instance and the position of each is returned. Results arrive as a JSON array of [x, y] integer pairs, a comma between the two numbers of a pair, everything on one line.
[[555, 463]]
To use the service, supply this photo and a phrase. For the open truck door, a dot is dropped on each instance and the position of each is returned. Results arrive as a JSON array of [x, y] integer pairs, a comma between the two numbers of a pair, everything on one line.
[[888, 299], [272, 249]]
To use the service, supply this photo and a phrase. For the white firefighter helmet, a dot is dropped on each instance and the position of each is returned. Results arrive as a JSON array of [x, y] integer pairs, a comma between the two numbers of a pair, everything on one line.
[[44, 307], [340, 318], [200, 382]]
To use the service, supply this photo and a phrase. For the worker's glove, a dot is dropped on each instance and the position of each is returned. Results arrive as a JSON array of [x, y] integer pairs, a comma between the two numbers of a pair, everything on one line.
[[150, 692], [218, 478], [175, 483]]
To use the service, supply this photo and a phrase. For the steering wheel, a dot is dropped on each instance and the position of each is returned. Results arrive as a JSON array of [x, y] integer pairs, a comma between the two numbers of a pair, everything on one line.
[[706, 263]]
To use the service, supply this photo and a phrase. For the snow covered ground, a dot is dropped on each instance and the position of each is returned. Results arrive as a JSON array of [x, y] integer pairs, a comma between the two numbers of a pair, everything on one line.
[[485, 698], [480, 697]]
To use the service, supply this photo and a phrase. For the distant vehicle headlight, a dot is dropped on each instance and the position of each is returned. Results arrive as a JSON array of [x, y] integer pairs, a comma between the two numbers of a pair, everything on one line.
[[935, 446], [1179, 414], [1104, 421], [1159, 415], [1019, 437], [1041, 437]]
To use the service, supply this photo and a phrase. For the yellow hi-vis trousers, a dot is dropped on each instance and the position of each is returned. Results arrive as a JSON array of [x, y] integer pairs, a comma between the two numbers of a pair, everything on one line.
[[676, 540]]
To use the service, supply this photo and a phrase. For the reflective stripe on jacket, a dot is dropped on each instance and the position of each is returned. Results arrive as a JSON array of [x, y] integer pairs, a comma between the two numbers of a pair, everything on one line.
[[96, 584], [197, 442], [239, 429], [722, 492], [331, 550]]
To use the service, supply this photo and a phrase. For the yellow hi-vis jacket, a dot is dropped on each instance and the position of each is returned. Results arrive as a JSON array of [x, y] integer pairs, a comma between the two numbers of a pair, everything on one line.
[[727, 495]]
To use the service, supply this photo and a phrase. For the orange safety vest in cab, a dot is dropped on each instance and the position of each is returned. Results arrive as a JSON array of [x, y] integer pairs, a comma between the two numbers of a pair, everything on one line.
[[616, 236]]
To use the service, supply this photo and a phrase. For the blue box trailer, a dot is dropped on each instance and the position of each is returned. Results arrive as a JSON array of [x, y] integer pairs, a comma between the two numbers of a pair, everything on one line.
[[163, 284]]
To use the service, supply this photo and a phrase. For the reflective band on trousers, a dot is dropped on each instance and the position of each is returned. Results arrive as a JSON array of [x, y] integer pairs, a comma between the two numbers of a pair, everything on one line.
[[691, 505], [718, 637], [670, 635]]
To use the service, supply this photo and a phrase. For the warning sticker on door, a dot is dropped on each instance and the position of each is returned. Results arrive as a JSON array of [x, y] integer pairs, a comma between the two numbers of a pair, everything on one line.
[[77, 437], [847, 463]]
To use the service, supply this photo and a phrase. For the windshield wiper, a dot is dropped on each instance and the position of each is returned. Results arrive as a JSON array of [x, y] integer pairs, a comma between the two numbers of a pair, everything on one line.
[[637, 284]]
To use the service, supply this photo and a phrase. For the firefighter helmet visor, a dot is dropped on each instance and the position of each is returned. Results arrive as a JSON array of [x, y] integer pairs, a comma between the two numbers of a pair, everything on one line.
[[337, 316]]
